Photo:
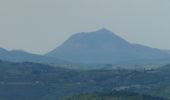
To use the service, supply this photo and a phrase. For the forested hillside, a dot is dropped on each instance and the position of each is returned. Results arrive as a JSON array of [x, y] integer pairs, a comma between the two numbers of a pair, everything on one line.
[[121, 95], [32, 81]]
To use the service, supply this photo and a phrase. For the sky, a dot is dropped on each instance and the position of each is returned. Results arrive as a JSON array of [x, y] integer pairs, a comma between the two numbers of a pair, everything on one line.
[[38, 26]]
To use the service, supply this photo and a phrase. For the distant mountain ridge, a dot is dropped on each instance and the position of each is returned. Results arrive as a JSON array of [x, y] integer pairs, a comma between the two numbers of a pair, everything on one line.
[[22, 56], [103, 46]]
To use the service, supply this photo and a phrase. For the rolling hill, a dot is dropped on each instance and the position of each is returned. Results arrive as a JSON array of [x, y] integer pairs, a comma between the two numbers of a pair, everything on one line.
[[22, 56]]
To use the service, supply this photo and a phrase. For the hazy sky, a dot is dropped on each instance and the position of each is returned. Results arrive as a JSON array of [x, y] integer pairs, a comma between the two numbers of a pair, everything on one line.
[[39, 26]]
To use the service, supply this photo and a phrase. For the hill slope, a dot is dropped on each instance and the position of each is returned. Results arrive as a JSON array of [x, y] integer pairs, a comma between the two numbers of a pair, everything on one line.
[[22, 56]]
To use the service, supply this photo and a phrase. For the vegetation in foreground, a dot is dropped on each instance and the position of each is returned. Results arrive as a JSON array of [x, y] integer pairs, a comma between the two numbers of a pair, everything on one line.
[[31, 81], [116, 95]]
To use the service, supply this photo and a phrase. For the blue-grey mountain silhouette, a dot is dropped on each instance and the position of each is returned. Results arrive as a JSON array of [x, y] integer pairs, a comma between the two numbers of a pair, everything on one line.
[[22, 56], [102, 47]]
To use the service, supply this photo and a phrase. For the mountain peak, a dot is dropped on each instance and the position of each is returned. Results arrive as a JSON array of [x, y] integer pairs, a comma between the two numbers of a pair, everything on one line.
[[100, 43], [101, 35], [103, 46], [104, 30], [100, 38]]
